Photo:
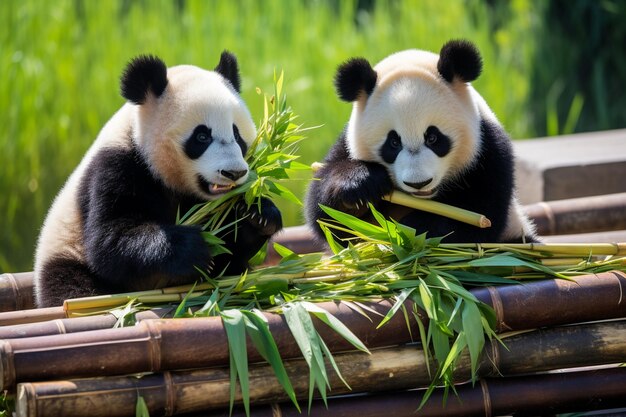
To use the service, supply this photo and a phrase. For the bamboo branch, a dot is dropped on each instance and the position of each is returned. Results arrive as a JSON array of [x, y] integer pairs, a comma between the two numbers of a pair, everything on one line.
[[430, 206]]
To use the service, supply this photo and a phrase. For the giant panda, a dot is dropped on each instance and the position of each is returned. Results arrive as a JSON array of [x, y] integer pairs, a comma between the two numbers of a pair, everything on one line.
[[179, 140], [418, 126]]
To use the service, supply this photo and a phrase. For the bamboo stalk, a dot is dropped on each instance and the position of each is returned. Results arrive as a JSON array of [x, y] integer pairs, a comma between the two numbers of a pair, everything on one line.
[[393, 368], [430, 206], [554, 249], [579, 215], [9, 318], [155, 345], [16, 291], [534, 394], [517, 307], [74, 325]]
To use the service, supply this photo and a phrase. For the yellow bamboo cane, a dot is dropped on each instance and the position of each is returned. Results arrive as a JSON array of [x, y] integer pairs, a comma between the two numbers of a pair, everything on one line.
[[435, 207]]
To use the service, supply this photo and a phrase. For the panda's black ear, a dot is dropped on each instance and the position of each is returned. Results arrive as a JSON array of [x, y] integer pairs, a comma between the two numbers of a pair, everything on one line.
[[459, 58], [229, 69], [144, 74], [353, 77]]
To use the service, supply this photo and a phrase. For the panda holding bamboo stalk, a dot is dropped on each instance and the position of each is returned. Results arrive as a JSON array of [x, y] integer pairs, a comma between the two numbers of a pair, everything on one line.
[[179, 141], [418, 126]]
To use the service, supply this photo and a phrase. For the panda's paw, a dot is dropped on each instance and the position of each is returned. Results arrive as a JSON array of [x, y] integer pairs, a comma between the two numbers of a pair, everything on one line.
[[353, 185], [264, 218]]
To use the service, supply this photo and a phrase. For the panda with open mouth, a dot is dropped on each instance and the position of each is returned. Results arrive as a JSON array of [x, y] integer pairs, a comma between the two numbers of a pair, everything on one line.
[[418, 126], [180, 140]]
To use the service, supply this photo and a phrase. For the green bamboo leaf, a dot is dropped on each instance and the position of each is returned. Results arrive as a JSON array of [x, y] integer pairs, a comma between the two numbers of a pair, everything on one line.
[[355, 224], [455, 351], [508, 260], [474, 334], [335, 324], [141, 409], [283, 192], [478, 278], [330, 239], [181, 307], [259, 332], [400, 299], [235, 327]]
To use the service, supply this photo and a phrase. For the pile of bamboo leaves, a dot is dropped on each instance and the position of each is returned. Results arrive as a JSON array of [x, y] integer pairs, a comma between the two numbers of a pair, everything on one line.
[[385, 261]]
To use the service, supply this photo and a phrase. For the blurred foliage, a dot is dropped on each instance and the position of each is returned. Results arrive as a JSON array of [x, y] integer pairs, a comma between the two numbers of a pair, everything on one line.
[[61, 63], [580, 67]]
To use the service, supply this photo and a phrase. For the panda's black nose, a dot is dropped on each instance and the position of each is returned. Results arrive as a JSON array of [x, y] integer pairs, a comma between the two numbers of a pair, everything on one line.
[[233, 175], [418, 185]]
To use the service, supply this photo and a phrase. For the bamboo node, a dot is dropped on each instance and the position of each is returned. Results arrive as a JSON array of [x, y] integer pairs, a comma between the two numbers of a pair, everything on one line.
[[486, 398]]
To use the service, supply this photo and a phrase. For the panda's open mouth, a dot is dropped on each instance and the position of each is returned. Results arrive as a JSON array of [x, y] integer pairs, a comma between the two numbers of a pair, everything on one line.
[[424, 193], [212, 188]]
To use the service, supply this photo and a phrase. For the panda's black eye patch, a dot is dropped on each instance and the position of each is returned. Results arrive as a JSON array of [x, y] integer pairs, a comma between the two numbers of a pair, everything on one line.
[[391, 148], [198, 142], [439, 143], [240, 141]]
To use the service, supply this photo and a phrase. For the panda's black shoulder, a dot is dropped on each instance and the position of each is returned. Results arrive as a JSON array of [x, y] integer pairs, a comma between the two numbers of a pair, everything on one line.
[[118, 182], [339, 151]]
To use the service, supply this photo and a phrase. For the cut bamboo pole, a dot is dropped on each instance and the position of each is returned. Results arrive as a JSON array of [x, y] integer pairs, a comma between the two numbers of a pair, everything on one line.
[[556, 301], [536, 395], [430, 206], [36, 315], [16, 291], [74, 325], [579, 215], [154, 345], [385, 369], [554, 249], [517, 307]]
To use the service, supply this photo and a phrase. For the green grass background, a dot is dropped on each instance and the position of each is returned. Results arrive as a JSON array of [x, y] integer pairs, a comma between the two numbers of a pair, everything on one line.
[[60, 64]]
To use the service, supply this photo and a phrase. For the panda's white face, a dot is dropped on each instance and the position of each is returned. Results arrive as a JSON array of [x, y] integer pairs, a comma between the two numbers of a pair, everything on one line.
[[422, 128], [196, 133]]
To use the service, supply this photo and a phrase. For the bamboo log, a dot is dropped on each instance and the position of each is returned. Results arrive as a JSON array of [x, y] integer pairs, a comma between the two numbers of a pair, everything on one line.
[[153, 345], [10, 318], [579, 215], [517, 307], [554, 302], [16, 291], [394, 368], [540, 394], [74, 325]]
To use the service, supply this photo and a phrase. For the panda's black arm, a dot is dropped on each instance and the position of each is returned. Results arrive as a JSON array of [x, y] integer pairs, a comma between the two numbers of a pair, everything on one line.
[[130, 239], [345, 184], [254, 227]]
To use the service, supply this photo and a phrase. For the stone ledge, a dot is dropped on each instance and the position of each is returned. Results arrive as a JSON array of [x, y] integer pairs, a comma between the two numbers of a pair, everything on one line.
[[570, 166]]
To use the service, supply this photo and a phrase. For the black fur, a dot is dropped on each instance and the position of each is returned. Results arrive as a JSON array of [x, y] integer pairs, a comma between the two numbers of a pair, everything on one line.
[[142, 75], [486, 187], [345, 184], [242, 144], [391, 148], [229, 69], [353, 77], [131, 239], [459, 58], [439, 143], [198, 142]]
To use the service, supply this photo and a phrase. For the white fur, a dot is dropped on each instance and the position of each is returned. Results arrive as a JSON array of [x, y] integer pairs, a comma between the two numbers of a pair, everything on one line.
[[159, 128], [193, 96], [410, 96]]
